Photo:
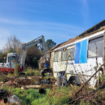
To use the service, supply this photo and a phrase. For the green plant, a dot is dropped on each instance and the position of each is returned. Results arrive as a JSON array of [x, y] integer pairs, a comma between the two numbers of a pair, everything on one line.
[[32, 72], [37, 73], [16, 72], [10, 75], [50, 96]]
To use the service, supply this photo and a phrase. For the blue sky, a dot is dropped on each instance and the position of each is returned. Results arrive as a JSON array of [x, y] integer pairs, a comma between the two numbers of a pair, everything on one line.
[[58, 20]]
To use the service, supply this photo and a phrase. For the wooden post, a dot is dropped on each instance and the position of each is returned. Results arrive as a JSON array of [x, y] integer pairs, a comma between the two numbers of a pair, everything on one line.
[[104, 56]]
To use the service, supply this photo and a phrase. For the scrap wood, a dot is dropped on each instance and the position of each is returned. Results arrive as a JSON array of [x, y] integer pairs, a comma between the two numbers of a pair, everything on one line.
[[34, 77], [36, 86], [87, 95], [89, 79], [31, 86], [19, 82], [23, 81]]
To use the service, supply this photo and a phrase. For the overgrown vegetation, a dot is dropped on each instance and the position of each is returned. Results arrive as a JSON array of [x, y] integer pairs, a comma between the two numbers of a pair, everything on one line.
[[32, 72], [55, 96], [16, 72], [59, 95]]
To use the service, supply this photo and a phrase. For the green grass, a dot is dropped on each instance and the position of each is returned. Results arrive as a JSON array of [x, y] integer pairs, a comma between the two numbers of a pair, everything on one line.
[[55, 96], [32, 72], [29, 96]]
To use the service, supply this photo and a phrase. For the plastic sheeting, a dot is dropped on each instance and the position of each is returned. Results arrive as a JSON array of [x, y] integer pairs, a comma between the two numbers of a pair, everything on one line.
[[77, 53], [81, 52]]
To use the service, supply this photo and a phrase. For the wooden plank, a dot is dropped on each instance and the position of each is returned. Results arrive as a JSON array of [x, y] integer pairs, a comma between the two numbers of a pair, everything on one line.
[[31, 86], [34, 77], [37, 86]]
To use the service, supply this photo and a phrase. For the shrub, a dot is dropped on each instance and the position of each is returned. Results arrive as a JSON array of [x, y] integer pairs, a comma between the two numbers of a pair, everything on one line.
[[32, 72]]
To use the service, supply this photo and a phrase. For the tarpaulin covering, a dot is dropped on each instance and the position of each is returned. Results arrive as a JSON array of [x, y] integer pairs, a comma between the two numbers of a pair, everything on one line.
[[77, 52], [81, 52]]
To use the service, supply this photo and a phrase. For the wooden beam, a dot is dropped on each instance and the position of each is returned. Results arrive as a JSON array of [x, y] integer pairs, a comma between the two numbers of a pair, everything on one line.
[[37, 86]]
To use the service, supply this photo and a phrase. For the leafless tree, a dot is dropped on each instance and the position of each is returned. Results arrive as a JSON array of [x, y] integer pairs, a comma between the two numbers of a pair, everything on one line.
[[12, 45]]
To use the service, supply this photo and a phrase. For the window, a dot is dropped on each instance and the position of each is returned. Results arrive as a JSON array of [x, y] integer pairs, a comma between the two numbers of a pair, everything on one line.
[[56, 56], [96, 47], [71, 53], [10, 58], [64, 54]]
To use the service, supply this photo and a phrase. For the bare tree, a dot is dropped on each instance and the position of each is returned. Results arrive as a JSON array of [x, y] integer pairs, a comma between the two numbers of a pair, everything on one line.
[[12, 45]]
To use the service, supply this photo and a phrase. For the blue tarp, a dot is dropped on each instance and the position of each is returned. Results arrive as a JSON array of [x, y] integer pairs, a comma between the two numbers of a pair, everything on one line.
[[81, 52], [77, 52]]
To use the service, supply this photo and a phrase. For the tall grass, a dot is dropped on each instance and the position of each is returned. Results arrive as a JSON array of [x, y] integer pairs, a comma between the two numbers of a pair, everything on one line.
[[32, 72], [56, 96]]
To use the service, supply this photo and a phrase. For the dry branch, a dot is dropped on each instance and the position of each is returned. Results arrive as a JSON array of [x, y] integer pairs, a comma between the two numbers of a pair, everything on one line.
[[5, 77], [89, 79], [87, 95], [94, 91]]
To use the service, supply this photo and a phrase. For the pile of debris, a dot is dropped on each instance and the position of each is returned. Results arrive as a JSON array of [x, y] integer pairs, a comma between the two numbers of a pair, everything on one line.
[[95, 97], [19, 82]]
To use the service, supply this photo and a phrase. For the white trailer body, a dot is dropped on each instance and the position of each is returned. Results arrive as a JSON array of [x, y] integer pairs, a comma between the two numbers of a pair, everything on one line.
[[86, 55]]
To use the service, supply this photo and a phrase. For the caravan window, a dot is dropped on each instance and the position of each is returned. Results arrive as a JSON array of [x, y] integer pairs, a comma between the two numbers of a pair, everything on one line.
[[56, 56], [95, 47], [71, 53], [64, 54]]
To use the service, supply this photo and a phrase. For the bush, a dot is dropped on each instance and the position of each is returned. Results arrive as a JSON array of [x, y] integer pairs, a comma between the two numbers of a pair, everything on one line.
[[32, 72]]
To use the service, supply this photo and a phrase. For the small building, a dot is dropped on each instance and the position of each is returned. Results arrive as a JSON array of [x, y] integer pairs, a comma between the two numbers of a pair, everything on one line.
[[80, 56]]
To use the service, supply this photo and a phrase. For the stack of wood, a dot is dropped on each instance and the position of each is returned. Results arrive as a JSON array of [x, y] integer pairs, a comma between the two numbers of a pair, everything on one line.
[[23, 81], [20, 82]]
